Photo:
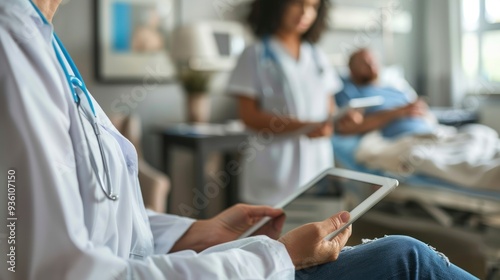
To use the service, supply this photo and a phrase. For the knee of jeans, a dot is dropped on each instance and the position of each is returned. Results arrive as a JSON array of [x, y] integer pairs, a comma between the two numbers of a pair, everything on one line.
[[403, 240], [396, 239], [411, 247]]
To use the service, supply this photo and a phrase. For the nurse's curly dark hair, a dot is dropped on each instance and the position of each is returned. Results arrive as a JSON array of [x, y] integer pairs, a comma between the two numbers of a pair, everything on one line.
[[266, 15]]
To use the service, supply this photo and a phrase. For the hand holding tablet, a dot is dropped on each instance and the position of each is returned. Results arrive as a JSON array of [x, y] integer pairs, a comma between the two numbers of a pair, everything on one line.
[[306, 247], [327, 184]]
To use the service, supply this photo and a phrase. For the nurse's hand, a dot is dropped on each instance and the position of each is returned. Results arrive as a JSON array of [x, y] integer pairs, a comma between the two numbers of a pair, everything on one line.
[[324, 129], [307, 247], [229, 225], [351, 119]]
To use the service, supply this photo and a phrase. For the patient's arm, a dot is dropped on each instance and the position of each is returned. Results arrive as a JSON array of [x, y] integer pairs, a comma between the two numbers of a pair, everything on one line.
[[380, 119], [370, 122]]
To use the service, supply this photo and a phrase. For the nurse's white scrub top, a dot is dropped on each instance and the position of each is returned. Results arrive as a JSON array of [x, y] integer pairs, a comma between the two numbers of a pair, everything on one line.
[[275, 166], [66, 228]]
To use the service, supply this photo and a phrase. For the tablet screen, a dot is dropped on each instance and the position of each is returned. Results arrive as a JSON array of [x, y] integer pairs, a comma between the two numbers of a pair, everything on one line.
[[328, 196], [333, 191]]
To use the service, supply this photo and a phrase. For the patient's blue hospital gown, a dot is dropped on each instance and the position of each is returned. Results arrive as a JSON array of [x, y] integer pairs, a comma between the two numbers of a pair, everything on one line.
[[393, 98]]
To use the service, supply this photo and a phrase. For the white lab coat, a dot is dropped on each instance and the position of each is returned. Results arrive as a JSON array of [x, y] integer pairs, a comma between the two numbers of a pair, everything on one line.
[[276, 165], [66, 228]]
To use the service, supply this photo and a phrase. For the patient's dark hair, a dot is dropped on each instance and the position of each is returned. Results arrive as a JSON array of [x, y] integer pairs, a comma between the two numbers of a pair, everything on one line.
[[266, 16]]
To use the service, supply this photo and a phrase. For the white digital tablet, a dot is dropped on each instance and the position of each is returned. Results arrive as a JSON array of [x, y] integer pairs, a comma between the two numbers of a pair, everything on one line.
[[333, 191], [357, 103]]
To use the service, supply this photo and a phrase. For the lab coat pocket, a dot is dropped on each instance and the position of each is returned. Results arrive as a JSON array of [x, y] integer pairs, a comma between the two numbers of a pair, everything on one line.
[[137, 253]]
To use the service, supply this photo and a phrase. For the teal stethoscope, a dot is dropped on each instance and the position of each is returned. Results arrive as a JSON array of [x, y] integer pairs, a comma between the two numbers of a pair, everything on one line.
[[76, 81], [268, 58]]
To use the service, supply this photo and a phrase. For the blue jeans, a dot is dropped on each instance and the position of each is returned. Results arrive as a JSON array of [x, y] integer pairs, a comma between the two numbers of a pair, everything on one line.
[[392, 257]]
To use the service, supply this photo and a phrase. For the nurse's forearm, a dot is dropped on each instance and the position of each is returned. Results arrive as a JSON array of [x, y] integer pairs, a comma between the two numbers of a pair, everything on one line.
[[277, 124], [257, 120]]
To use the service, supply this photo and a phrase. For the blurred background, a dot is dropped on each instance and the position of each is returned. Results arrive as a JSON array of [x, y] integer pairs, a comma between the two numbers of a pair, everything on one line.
[[137, 59], [448, 50]]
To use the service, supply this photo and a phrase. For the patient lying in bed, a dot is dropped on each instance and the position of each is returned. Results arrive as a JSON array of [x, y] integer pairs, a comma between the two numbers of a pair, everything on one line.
[[401, 136]]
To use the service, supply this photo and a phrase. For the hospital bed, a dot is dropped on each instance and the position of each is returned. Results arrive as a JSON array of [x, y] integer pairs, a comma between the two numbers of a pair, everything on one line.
[[449, 205], [477, 209], [432, 194]]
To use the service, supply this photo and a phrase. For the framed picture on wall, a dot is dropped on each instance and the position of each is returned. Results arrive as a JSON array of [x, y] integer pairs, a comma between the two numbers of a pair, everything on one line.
[[133, 40]]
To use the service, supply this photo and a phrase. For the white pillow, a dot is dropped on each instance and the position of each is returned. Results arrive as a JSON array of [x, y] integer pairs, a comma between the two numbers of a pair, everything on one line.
[[394, 76]]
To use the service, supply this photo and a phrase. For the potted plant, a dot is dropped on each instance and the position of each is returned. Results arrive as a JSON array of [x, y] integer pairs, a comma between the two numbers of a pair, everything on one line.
[[196, 84]]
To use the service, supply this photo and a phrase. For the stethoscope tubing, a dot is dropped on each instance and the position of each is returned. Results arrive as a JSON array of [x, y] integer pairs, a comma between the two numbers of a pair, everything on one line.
[[76, 81]]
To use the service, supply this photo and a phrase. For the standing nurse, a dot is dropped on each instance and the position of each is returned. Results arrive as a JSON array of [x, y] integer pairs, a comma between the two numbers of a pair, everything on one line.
[[284, 84]]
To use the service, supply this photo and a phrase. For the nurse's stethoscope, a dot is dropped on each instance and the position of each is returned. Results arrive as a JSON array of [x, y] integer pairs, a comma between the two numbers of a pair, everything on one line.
[[267, 59], [76, 81]]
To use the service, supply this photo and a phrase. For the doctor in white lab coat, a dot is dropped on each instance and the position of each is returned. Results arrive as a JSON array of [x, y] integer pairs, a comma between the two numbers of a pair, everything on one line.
[[62, 225], [284, 85]]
